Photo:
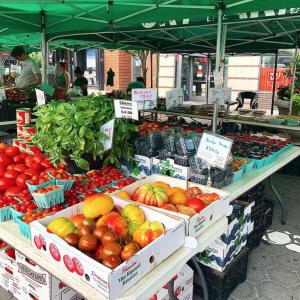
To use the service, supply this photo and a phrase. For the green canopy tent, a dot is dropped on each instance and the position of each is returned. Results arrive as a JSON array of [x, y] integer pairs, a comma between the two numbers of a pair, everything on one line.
[[56, 18]]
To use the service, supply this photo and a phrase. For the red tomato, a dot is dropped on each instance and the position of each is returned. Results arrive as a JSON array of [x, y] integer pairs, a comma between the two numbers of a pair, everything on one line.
[[24, 155], [62, 166], [11, 174], [6, 160], [195, 203], [20, 168], [12, 151], [21, 180], [46, 164], [2, 171], [18, 159], [31, 172], [2, 151], [10, 167], [14, 190], [6, 183], [28, 160], [38, 158], [36, 165]]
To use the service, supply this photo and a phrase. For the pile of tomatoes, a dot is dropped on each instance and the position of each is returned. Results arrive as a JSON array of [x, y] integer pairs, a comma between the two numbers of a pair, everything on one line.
[[7, 201], [16, 168], [61, 174], [36, 180], [47, 189], [125, 182]]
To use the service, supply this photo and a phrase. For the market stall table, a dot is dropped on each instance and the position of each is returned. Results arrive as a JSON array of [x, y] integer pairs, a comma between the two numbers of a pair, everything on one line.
[[143, 290], [253, 178]]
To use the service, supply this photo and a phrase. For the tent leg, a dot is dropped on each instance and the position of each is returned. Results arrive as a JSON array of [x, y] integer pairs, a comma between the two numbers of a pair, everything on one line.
[[274, 82], [157, 68], [294, 76], [45, 51], [223, 45], [218, 55]]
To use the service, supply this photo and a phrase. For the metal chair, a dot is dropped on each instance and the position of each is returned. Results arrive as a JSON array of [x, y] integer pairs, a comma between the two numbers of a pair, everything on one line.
[[247, 95]]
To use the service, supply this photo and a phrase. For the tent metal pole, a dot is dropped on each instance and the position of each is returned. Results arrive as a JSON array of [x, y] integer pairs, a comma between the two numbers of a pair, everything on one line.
[[44, 48], [75, 59], [223, 45], [218, 55], [294, 77], [274, 82], [157, 68], [219, 32]]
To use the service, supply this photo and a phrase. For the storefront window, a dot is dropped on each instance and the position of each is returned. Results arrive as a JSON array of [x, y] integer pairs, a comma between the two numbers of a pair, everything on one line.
[[267, 72]]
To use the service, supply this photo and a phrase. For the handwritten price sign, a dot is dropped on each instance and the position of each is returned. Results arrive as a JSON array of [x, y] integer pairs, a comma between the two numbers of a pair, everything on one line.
[[108, 129], [146, 98], [126, 109], [214, 149], [40, 96]]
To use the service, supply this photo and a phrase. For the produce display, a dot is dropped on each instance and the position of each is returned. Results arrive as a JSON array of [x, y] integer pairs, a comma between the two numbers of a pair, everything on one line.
[[15, 95], [105, 231], [188, 202]]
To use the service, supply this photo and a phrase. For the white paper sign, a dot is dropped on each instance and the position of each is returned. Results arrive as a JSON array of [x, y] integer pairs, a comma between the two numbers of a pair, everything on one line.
[[2, 94], [146, 98], [226, 95], [108, 129], [51, 70], [40, 95], [174, 97], [15, 69], [215, 95], [218, 77], [2, 69], [126, 109], [214, 149]]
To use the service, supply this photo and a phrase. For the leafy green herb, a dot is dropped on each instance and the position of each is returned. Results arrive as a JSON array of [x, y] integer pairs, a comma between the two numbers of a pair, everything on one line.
[[72, 129]]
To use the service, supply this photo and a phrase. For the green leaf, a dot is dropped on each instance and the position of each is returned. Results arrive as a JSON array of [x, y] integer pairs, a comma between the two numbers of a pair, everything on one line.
[[106, 161], [133, 127], [88, 133], [206, 260], [123, 128], [82, 131], [111, 159], [117, 162], [83, 164]]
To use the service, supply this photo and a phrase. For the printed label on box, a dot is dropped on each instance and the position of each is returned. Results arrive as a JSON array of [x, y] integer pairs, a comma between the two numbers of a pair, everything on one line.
[[138, 166]]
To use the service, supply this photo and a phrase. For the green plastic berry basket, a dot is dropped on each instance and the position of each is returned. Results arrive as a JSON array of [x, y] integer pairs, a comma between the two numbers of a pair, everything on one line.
[[36, 187], [248, 167], [15, 214], [67, 183], [49, 199], [5, 214], [23, 227], [237, 175]]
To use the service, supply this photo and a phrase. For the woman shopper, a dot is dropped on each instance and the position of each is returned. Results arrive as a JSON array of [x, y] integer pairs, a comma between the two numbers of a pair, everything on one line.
[[80, 81], [62, 77]]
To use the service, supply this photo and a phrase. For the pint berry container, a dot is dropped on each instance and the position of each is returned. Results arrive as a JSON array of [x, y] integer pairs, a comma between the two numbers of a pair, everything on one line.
[[32, 149], [16, 142], [20, 132], [28, 130], [23, 116], [22, 146]]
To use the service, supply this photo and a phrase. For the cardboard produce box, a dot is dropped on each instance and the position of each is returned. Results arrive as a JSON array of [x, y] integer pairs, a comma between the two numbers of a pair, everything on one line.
[[138, 166], [37, 280], [110, 283], [8, 270], [169, 168], [182, 282], [195, 225]]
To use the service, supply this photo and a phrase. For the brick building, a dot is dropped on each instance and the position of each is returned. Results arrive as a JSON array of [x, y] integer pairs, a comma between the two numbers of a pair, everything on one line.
[[126, 69]]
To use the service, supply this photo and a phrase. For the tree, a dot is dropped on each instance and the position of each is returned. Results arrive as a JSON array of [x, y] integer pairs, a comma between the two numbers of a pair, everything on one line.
[[141, 57], [37, 58]]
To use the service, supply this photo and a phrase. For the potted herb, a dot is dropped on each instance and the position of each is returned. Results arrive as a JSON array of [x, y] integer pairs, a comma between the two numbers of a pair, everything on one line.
[[73, 129]]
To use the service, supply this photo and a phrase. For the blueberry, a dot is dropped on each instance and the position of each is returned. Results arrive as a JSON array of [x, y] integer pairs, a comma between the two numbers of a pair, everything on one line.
[[154, 169], [123, 161], [147, 173], [159, 171], [212, 257], [182, 177], [177, 176], [146, 168], [141, 167]]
